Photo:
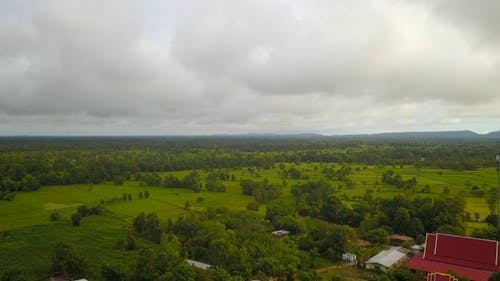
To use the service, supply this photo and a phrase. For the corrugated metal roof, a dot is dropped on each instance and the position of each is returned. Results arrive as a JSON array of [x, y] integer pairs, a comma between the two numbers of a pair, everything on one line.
[[387, 258], [198, 264], [419, 263]]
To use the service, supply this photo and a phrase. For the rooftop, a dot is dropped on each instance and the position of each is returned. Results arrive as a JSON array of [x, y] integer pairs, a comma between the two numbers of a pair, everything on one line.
[[468, 257], [198, 264], [389, 257]]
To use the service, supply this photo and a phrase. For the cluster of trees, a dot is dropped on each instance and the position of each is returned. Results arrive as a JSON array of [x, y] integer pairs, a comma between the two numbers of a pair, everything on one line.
[[124, 198], [190, 181], [148, 226], [402, 215], [214, 182], [240, 242], [262, 191], [396, 180], [84, 211], [27, 163]]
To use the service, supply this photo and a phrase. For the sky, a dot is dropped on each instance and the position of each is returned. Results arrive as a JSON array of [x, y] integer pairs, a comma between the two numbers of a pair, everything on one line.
[[196, 67]]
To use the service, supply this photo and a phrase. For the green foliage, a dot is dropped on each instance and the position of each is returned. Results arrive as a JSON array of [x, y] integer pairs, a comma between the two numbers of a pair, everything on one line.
[[76, 218], [392, 179], [253, 206], [113, 273], [131, 243], [55, 216], [492, 219], [340, 173], [377, 236], [146, 269], [67, 261], [148, 226], [16, 274], [277, 209], [118, 180], [262, 191]]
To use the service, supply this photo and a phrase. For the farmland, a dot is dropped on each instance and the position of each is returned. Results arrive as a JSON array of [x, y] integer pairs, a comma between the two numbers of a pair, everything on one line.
[[35, 208], [29, 233]]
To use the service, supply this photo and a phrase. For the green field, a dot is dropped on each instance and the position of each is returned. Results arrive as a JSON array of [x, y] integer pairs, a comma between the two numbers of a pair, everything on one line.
[[27, 235]]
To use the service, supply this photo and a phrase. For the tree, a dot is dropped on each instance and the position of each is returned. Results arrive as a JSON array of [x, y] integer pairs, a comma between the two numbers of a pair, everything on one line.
[[55, 216], [377, 236], [146, 269], [140, 223], [16, 274], [30, 183], [67, 261], [75, 219], [492, 200], [491, 219], [179, 272], [131, 244], [118, 180], [253, 206], [112, 273], [402, 221]]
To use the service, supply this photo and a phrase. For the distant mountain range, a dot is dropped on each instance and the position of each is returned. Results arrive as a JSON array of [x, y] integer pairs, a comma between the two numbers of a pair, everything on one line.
[[433, 135], [430, 135]]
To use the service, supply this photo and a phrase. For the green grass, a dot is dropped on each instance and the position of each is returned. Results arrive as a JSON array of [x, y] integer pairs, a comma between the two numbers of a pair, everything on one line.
[[34, 208], [27, 236], [32, 247]]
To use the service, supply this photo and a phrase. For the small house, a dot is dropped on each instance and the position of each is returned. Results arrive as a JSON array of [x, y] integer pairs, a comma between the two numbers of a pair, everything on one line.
[[198, 264], [397, 240], [387, 259], [280, 233]]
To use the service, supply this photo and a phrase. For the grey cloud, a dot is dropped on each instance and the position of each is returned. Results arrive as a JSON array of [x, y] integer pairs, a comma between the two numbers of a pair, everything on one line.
[[479, 20], [244, 66]]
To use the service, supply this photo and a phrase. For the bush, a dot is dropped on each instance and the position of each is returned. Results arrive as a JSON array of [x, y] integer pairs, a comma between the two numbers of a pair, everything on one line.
[[75, 219], [253, 206], [55, 216], [67, 261]]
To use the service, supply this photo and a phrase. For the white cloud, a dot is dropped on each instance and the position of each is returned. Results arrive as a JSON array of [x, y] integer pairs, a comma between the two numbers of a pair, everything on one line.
[[188, 67]]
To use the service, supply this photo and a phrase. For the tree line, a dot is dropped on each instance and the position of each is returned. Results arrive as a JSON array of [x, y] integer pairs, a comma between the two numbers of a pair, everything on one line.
[[28, 163]]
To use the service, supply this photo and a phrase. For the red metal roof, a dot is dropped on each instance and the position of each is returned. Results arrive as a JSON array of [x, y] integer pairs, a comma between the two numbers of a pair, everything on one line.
[[419, 263], [468, 257], [463, 251]]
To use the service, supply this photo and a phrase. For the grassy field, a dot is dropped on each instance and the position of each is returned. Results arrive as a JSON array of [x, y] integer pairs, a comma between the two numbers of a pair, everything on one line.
[[35, 208], [27, 234]]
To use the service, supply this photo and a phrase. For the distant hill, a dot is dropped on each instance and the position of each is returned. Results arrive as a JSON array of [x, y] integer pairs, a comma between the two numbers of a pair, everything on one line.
[[445, 135], [494, 135]]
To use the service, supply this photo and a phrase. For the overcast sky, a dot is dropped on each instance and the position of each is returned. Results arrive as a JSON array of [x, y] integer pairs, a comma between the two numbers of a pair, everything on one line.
[[248, 66]]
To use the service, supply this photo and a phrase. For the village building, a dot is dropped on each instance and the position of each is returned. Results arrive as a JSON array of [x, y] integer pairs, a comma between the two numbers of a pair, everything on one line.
[[197, 264], [280, 233], [361, 243], [398, 240], [387, 259], [473, 258], [349, 257]]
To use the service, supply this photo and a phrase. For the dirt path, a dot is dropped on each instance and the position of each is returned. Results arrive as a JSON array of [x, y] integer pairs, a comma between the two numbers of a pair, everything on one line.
[[333, 267]]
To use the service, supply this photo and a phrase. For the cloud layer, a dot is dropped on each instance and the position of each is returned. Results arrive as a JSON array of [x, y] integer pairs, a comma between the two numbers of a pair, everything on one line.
[[198, 67]]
